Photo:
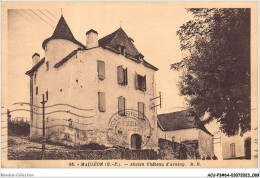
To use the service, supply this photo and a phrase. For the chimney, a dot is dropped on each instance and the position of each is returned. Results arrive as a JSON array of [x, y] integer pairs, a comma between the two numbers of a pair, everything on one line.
[[92, 39], [35, 59]]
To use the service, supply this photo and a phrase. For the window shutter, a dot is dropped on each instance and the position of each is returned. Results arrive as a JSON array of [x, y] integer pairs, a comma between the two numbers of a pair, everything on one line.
[[125, 77], [136, 81], [101, 101], [47, 95], [121, 105], [120, 75], [101, 70], [140, 110]]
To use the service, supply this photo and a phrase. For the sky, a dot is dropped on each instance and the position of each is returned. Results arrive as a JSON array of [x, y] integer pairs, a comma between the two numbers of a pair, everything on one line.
[[153, 28]]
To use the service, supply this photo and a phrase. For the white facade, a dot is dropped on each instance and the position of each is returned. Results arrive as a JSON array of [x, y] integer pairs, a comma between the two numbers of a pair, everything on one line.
[[234, 147], [76, 83]]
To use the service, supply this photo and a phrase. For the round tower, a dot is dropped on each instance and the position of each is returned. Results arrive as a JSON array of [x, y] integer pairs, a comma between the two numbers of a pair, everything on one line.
[[60, 44]]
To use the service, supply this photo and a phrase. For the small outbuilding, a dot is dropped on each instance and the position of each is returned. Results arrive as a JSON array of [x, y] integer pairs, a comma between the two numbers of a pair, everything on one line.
[[181, 128]]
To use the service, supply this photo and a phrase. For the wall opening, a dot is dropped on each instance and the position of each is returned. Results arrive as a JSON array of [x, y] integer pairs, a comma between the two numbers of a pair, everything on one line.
[[136, 141], [247, 146]]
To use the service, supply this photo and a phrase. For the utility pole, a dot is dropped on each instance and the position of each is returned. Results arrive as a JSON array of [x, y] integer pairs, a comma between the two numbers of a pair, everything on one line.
[[8, 120], [43, 125]]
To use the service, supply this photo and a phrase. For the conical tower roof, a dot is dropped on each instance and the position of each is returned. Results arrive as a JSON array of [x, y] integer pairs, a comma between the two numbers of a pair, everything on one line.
[[62, 31]]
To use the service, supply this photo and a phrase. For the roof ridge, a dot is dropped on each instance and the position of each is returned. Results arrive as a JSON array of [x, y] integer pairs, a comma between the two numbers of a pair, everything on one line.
[[35, 67]]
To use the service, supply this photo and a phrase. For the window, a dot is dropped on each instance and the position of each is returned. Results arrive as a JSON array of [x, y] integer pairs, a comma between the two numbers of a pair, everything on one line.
[[247, 145], [140, 82], [35, 75], [123, 49], [141, 109], [122, 75], [232, 150], [121, 105], [101, 101], [47, 65], [101, 69], [47, 95], [36, 91]]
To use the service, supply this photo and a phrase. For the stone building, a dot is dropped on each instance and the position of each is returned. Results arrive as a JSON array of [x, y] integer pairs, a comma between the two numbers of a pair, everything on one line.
[[181, 128], [86, 84]]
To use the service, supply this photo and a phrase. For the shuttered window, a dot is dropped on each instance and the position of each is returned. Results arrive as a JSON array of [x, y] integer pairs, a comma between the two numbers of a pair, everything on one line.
[[122, 75], [140, 82], [101, 101], [232, 150], [121, 105], [101, 69], [141, 110]]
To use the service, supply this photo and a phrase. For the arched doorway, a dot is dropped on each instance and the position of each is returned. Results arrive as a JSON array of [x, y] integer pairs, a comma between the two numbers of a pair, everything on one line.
[[136, 141]]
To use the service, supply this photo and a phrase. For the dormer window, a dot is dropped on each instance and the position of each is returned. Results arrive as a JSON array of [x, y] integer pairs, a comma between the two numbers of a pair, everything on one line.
[[139, 57], [123, 50]]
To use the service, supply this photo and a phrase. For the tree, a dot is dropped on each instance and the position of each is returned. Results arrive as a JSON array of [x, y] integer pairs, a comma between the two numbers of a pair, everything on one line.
[[215, 69]]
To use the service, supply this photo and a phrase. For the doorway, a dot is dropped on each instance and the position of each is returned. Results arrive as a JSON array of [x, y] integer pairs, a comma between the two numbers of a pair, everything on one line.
[[136, 141], [247, 146]]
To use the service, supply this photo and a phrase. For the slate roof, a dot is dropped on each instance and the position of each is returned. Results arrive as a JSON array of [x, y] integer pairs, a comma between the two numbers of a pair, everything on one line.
[[34, 68], [177, 121], [146, 64], [62, 31], [66, 58], [111, 42], [119, 37]]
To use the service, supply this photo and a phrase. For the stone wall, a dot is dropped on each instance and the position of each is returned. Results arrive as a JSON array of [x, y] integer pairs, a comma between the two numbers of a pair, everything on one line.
[[109, 154], [171, 150], [206, 147]]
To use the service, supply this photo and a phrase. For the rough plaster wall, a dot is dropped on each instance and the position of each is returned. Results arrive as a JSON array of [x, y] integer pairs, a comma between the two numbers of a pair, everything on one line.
[[206, 146], [78, 80], [87, 71], [52, 81]]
